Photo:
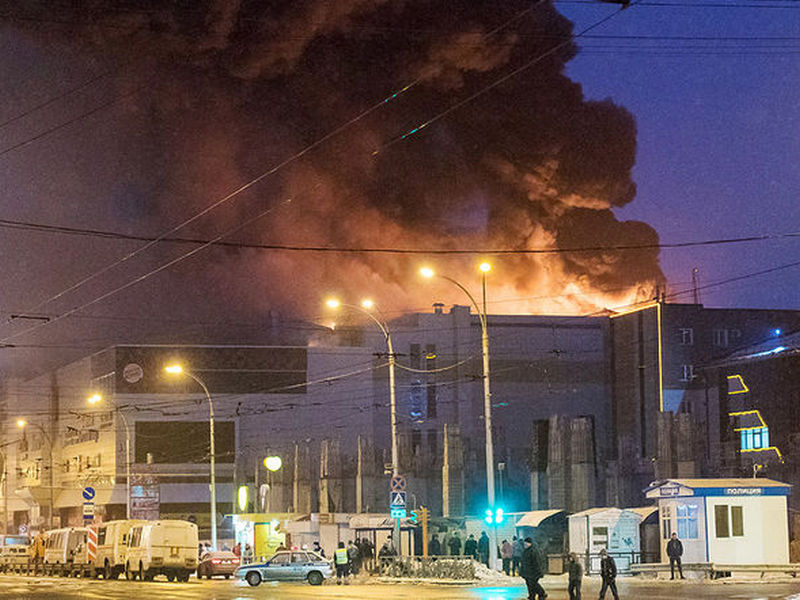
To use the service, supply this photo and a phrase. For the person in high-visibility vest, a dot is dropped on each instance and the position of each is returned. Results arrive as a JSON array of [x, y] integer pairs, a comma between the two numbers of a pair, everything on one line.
[[342, 564]]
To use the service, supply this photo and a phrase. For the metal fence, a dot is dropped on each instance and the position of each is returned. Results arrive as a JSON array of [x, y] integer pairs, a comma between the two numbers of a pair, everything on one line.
[[435, 567], [623, 560]]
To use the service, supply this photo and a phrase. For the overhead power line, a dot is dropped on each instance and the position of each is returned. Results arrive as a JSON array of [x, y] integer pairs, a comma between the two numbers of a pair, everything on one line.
[[116, 235], [239, 190]]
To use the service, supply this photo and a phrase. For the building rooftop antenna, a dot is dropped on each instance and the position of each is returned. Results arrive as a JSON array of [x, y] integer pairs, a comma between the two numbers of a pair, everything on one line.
[[696, 285]]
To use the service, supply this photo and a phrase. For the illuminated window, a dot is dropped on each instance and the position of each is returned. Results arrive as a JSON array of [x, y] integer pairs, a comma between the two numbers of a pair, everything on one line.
[[687, 372], [687, 521], [755, 439], [687, 336]]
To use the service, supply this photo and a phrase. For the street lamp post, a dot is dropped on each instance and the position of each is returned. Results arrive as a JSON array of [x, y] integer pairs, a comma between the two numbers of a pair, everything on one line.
[[177, 370], [95, 399], [487, 395], [22, 424], [365, 308]]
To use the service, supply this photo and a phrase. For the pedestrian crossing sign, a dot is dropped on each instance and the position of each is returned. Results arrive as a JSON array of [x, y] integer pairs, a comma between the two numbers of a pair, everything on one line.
[[397, 499]]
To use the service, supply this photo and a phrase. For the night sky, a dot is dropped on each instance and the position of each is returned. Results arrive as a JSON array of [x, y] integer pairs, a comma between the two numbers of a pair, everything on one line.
[[718, 135], [157, 112]]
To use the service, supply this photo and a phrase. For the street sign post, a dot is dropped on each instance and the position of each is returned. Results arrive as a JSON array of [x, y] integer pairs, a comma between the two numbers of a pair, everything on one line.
[[398, 483], [398, 513], [88, 511], [397, 499]]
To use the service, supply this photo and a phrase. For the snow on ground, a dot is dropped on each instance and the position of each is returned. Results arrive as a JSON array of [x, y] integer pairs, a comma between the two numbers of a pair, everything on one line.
[[486, 575]]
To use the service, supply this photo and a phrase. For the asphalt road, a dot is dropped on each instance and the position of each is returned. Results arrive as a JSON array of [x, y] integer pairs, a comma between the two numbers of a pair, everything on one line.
[[25, 588]]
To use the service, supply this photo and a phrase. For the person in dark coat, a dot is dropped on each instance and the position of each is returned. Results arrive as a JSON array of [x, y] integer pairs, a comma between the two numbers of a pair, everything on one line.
[[675, 551], [530, 569], [483, 548], [435, 547], [354, 556], [471, 547], [608, 573], [517, 547], [455, 545], [575, 570]]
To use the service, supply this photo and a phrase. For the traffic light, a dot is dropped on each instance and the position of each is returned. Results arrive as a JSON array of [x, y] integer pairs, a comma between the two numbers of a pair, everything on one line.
[[494, 517]]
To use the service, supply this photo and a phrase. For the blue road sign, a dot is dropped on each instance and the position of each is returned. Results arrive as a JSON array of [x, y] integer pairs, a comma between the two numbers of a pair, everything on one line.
[[398, 483], [397, 499], [88, 493], [398, 513]]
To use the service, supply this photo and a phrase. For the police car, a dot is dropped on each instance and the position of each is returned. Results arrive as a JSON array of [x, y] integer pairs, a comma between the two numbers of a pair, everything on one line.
[[295, 565]]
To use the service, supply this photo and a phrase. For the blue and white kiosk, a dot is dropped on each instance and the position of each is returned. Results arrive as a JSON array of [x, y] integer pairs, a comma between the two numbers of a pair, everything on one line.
[[724, 521]]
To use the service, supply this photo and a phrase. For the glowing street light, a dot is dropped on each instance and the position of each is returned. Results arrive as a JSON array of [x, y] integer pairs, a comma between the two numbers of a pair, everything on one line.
[[427, 272], [366, 308], [176, 369], [273, 463], [97, 399]]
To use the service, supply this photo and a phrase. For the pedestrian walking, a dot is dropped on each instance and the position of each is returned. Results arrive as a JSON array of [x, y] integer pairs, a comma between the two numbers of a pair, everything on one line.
[[434, 547], [342, 564], [471, 547], [506, 552], [483, 548], [354, 556], [517, 547], [455, 545], [608, 573], [675, 551], [530, 569], [575, 570]]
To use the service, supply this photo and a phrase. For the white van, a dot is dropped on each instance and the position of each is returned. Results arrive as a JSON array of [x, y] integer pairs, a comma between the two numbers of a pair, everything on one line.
[[14, 552], [166, 547], [112, 550], [66, 553]]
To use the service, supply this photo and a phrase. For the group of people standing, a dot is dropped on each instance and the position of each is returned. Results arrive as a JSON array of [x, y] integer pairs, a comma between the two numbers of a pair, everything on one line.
[[350, 560], [511, 555]]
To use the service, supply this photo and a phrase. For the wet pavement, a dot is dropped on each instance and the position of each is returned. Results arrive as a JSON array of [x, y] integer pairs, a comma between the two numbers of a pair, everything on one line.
[[25, 588]]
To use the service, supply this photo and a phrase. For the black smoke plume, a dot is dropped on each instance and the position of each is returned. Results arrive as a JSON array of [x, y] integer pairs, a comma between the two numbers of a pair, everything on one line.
[[223, 90]]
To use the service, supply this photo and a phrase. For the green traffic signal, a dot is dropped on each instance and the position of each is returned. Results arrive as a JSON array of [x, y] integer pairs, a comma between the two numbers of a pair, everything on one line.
[[494, 517]]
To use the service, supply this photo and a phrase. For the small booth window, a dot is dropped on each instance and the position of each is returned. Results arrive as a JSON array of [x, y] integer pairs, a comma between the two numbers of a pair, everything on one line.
[[687, 521], [737, 521], [721, 521], [729, 525]]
